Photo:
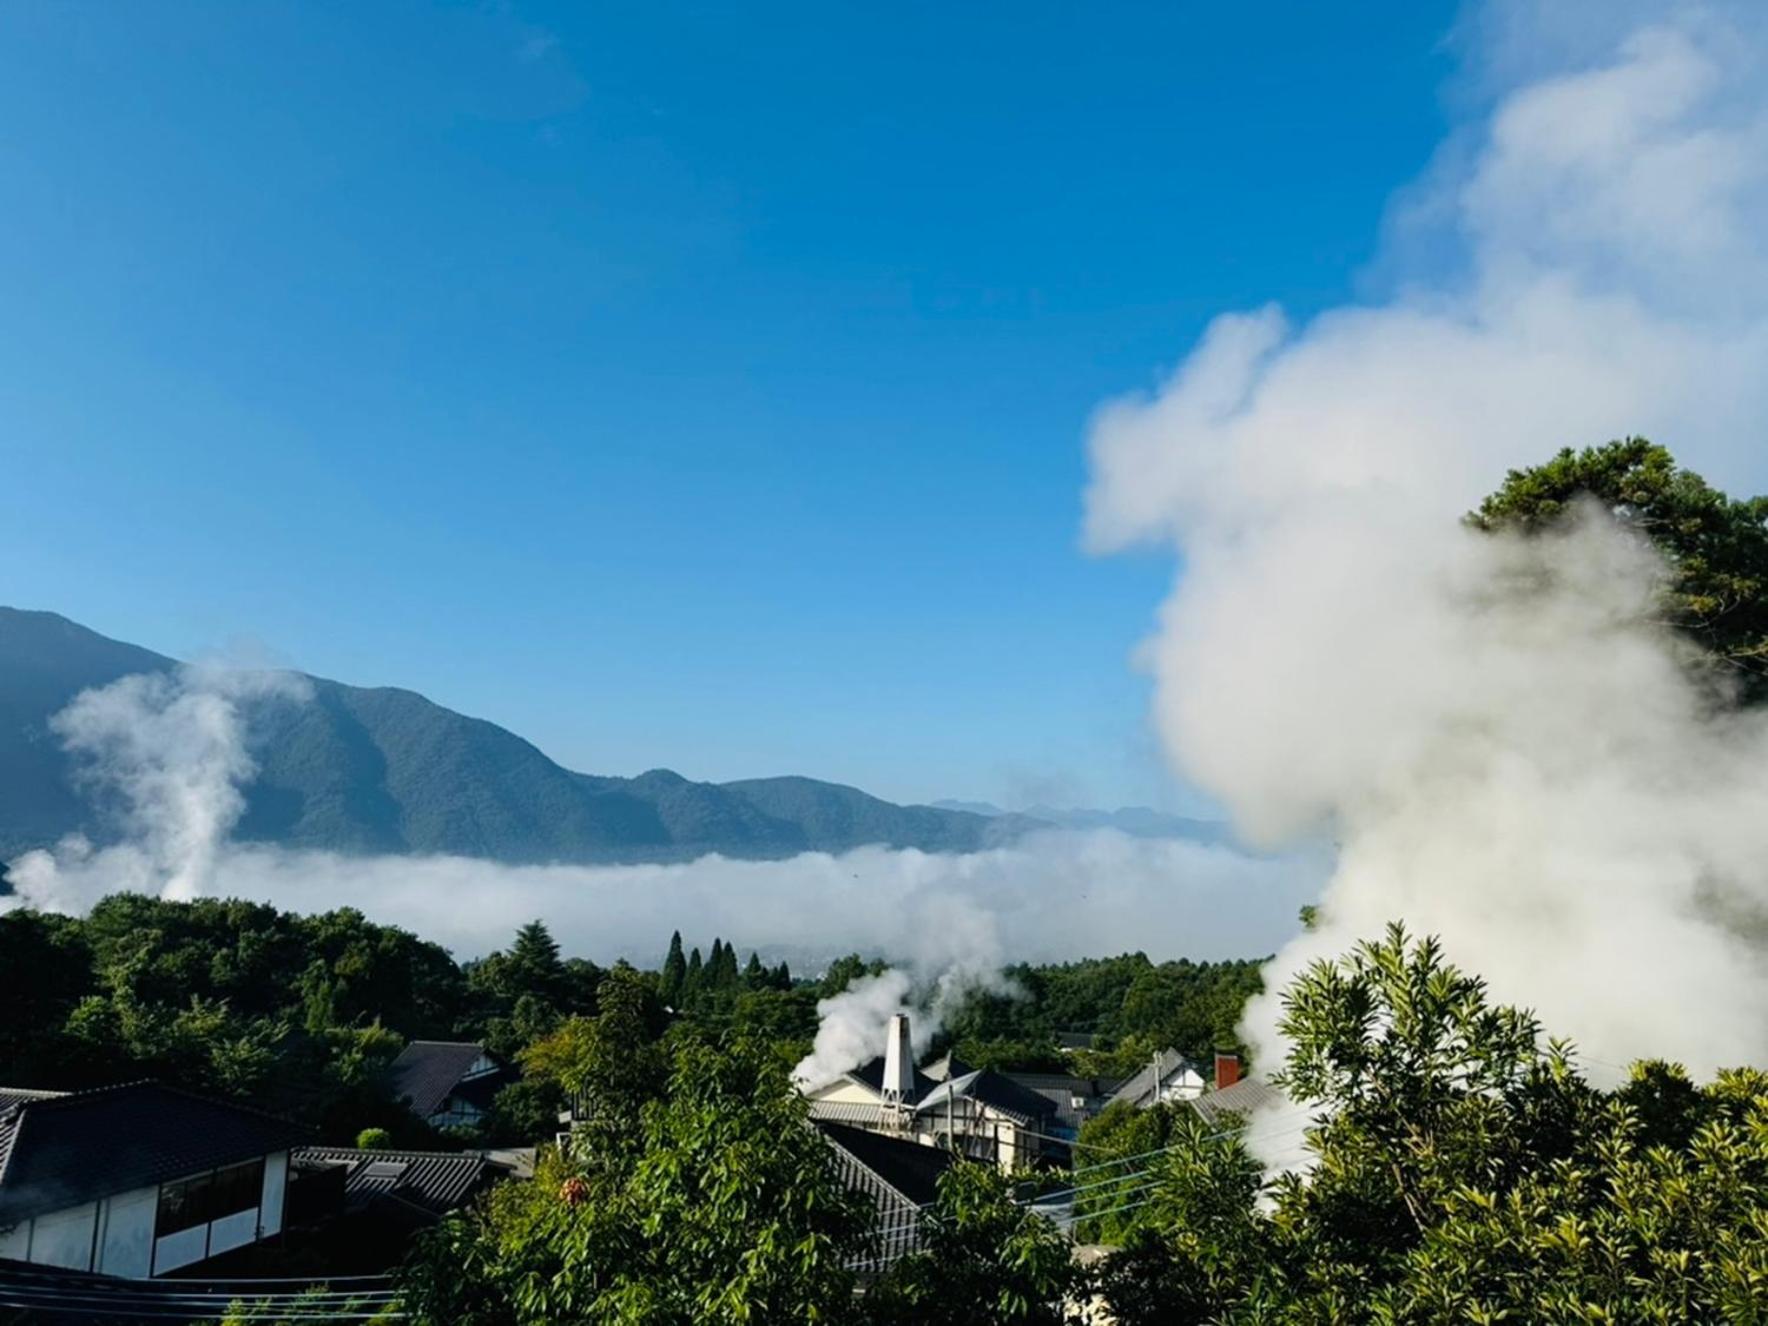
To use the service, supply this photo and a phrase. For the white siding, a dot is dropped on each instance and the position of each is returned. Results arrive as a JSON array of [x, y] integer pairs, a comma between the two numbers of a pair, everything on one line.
[[15, 1243], [126, 1237], [64, 1238], [180, 1249], [276, 1169], [233, 1231]]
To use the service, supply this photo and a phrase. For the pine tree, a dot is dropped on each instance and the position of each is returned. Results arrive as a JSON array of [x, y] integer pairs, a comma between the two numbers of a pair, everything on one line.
[[695, 978], [782, 976], [675, 971], [754, 975], [533, 966]]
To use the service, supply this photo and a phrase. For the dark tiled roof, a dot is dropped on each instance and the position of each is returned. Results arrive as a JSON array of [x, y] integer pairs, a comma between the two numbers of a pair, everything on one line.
[[993, 1089], [1075, 1086], [436, 1182], [65, 1150], [10, 1096], [872, 1074], [910, 1169], [1075, 1040], [1245, 1096], [427, 1072]]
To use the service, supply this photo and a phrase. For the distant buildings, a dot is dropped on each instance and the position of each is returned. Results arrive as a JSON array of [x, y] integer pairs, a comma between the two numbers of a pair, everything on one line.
[[977, 1113], [448, 1083]]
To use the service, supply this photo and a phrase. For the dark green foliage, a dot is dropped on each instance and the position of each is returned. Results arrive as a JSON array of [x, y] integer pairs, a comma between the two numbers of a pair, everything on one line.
[[674, 973], [986, 1260], [1716, 546], [843, 972], [297, 1014], [702, 1198], [1134, 1006], [1462, 1173]]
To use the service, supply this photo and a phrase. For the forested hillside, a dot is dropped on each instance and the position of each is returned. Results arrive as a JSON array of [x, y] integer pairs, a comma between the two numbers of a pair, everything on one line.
[[356, 769]]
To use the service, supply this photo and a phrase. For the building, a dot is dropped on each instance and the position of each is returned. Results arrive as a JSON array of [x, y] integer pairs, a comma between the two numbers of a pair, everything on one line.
[[411, 1188], [977, 1113], [900, 1177], [137, 1180], [1168, 1076], [448, 1083], [1240, 1100], [1076, 1099]]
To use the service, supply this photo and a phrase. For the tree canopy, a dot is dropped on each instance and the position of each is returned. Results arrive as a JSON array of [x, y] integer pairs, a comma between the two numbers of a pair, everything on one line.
[[1716, 546]]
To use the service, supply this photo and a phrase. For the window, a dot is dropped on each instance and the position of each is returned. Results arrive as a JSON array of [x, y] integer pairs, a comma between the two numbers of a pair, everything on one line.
[[237, 1188], [183, 1205], [207, 1197]]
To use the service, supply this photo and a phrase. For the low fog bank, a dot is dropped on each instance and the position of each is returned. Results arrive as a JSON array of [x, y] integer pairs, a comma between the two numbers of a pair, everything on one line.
[[1052, 896]]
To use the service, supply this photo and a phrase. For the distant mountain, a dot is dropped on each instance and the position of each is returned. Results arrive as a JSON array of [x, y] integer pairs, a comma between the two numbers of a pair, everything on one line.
[[1137, 821], [385, 770]]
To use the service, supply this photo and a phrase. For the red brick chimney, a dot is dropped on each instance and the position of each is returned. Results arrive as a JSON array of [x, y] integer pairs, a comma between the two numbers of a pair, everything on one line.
[[1227, 1069]]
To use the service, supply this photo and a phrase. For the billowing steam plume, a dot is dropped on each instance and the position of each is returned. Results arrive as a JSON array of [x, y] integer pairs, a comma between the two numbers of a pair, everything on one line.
[[171, 747], [1496, 733]]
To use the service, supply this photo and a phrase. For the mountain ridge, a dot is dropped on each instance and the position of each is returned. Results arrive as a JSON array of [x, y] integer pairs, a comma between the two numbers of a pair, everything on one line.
[[387, 770]]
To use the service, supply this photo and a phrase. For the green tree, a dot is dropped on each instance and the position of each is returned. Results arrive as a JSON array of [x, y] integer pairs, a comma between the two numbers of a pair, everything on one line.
[[1462, 1172], [675, 972], [986, 1259], [717, 1203], [1716, 546]]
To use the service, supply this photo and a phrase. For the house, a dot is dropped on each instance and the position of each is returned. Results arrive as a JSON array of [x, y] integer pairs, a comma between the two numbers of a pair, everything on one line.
[[448, 1083], [1076, 1099], [977, 1113], [137, 1180], [413, 1188], [1240, 1100], [1073, 1042], [901, 1177], [1168, 1076]]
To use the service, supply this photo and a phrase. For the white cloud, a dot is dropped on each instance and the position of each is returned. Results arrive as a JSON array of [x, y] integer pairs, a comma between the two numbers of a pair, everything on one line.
[[1525, 771]]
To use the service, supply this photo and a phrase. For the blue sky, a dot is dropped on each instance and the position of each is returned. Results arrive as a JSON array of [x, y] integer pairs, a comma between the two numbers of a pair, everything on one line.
[[686, 385]]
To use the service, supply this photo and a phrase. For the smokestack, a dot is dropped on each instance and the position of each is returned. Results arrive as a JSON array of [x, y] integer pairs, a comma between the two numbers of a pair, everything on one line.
[[899, 1062], [1227, 1069]]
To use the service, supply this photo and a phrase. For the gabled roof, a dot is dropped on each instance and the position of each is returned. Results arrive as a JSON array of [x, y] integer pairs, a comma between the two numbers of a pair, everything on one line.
[[996, 1090], [426, 1073], [1066, 1082], [1141, 1087], [910, 1169], [435, 1182], [872, 1075], [948, 1066], [1242, 1099], [61, 1151], [10, 1096]]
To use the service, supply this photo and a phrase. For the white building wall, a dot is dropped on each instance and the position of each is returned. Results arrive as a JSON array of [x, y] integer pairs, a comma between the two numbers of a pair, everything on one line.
[[15, 1243], [125, 1237], [180, 1249], [233, 1231], [65, 1238], [276, 1175]]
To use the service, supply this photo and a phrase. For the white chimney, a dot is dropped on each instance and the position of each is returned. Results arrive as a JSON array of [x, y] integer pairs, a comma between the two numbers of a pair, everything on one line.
[[899, 1063]]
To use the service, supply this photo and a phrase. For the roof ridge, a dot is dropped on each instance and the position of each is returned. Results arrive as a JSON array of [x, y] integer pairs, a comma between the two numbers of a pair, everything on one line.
[[68, 1099], [397, 1155]]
